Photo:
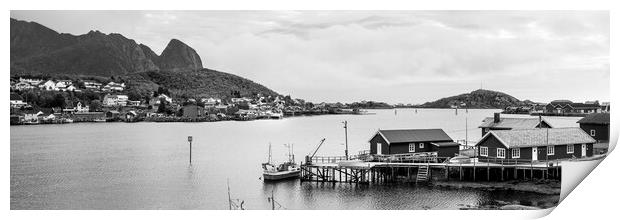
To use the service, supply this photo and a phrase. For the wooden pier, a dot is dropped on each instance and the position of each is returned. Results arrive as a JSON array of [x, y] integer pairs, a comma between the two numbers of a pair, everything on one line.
[[423, 168]]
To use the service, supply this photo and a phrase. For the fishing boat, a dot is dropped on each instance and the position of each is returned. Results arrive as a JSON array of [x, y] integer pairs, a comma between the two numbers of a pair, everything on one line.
[[286, 170]]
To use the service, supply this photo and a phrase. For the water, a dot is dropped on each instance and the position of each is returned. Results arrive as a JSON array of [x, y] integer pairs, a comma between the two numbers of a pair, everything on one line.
[[146, 165]]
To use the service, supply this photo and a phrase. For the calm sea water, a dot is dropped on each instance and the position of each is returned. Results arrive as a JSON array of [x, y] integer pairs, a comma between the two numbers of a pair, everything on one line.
[[146, 165]]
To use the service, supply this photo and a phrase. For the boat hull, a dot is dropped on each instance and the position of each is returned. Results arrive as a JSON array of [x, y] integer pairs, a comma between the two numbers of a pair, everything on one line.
[[273, 176]]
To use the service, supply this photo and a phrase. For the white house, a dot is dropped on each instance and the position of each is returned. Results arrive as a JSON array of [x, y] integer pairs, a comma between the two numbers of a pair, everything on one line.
[[48, 85], [23, 86], [115, 100], [92, 85]]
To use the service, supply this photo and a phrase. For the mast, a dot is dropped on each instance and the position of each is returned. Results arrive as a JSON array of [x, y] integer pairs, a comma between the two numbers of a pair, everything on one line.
[[269, 159]]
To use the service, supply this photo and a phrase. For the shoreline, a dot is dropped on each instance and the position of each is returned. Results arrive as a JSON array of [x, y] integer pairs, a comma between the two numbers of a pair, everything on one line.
[[547, 187]]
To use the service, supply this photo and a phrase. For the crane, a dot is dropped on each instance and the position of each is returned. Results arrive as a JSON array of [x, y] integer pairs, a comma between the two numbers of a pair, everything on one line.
[[309, 157]]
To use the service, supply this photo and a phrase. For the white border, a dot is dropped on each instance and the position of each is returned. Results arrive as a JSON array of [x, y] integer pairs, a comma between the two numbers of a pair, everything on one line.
[[595, 197]]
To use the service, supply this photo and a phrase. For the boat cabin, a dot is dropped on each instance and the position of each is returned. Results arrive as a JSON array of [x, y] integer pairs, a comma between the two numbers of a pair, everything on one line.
[[413, 141]]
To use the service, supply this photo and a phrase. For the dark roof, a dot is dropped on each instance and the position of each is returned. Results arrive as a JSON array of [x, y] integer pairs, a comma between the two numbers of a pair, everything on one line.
[[512, 123], [539, 137], [15, 96], [595, 118], [414, 135]]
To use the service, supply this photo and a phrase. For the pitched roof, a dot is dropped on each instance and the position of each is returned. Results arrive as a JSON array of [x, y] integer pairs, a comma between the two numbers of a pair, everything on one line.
[[414, 135], [513, 123], [15, 96], [595, 118], [540, 137]]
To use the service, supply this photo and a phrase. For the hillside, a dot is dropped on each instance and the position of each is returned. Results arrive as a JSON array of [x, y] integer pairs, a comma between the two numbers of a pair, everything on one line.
[[482, 99], [36, 48], [202, 83], [38, 51]]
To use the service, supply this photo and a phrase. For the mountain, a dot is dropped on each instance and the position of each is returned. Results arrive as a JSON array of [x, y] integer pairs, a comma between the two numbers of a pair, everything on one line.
[[482, 99], [179, 57], [36, 48]]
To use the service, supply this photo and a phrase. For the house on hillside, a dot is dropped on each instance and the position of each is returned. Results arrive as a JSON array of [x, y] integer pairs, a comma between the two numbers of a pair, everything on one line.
[[499, 123], [17, 101], [413, 141], [596, 125], [48, 85], [535, 144], [566, 106], [92, 85], [114, 87], [115, 100], [20, 86]]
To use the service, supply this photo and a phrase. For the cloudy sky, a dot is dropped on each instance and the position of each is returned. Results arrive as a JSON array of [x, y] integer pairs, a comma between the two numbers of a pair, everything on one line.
[[392, 56]]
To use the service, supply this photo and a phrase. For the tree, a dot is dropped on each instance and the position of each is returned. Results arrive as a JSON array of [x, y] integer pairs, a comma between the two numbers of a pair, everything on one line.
[[95, 105], [58, 101], [162, 106]]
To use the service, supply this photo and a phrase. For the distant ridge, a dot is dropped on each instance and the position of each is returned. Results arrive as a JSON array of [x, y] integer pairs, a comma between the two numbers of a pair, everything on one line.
[[481, 99], [38, 50]]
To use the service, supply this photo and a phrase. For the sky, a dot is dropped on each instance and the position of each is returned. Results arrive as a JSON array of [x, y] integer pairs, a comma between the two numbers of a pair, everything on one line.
[[390, 56]]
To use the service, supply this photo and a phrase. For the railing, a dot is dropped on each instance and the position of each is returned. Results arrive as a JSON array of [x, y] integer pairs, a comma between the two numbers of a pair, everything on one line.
[[503, 161]]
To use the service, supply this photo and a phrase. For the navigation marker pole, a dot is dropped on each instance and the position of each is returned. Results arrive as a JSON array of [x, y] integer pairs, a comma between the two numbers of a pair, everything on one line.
[[189, 139]]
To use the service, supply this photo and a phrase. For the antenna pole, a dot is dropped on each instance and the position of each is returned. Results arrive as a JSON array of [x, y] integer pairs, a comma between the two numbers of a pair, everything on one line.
[[346, 141]]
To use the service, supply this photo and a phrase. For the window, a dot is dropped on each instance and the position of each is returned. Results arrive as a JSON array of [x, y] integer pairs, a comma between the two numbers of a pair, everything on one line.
[[411, 147], [484, 151], [516, 153], [550, 150], [592, 132], [421, 145], [570, 149], [501, 153]]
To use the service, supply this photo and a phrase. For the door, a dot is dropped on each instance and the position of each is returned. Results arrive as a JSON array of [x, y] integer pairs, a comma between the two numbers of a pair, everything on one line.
[[379, 149], [583, 150], [534, 153]]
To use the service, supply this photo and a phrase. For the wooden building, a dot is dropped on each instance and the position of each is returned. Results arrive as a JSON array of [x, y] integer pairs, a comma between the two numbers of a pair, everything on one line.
[[413, 141], [499, 123], [596, 125], [536, 144]]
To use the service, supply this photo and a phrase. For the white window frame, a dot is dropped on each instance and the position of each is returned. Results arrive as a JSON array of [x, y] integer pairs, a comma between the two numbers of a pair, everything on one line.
[[411, 147], [550, 150], [592, 132], [421, 145], [484, 151], [515, 153], [502, 154], [570, 149]]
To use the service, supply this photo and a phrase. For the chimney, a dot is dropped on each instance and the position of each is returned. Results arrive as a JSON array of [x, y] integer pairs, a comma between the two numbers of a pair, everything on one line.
[[496, 117]]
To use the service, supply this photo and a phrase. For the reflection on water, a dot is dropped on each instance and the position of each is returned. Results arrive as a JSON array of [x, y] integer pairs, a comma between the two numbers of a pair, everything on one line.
[[146, 165]]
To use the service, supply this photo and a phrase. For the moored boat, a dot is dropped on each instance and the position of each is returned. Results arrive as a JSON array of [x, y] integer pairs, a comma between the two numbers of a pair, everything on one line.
[[286, 170]]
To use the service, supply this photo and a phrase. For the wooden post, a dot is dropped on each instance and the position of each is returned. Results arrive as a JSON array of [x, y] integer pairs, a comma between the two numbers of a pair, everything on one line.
[[532, 170], [460, 171], [474, 168]]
